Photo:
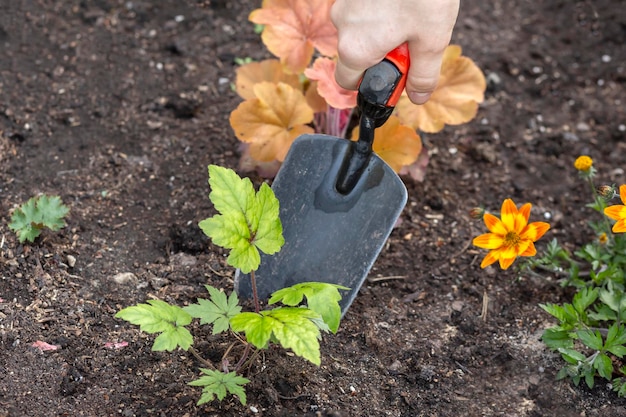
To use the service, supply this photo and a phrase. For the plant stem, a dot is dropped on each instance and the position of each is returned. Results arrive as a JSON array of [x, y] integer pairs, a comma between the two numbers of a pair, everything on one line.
[[600, 204], [255, 294], [243, 357], [205, 362]]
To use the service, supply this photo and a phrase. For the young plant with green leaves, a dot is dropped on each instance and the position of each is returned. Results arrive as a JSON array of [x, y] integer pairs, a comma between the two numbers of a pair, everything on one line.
[[590, 334], [247, 224], [29, 220]]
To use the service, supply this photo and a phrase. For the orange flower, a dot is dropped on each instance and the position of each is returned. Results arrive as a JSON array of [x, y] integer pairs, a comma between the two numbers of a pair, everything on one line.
[[511, 236], [618, 212]]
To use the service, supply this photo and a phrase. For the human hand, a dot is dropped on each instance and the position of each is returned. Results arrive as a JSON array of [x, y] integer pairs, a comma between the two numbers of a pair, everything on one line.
[[369, 29]]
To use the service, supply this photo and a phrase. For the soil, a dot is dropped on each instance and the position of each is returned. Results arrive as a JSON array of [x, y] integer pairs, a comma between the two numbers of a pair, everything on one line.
[[119, 106]]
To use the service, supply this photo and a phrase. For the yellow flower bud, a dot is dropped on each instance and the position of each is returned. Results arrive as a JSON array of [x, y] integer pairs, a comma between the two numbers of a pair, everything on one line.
[[583, 163]]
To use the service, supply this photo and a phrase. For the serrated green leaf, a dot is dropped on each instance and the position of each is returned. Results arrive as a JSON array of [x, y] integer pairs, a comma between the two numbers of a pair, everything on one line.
[[217, 310], [603, 313], [554, 310], [604, 366], [589, 379], [584, 298], [571, 356], [557, 338], [248, 221], [294, 330], [618, 350], [619, 386], [160, 317], [611, 298], [171, 338], [291, 326], [256, 326], [217, 384], [615, 336], [322, 297], [591, 339], [52, 211], [268, 234], [30, 218], [229, 193]]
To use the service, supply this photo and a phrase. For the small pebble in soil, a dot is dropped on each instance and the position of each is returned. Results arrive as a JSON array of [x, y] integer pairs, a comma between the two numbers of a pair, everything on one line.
[[254, 409], [125, 278]]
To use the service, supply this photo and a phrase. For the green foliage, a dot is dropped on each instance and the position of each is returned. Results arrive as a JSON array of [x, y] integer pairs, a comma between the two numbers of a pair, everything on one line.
[[218, 310], [217, 384], [30, 218], [323, 298], [293, 327], [590, 335], [248, 221], [160, 317]]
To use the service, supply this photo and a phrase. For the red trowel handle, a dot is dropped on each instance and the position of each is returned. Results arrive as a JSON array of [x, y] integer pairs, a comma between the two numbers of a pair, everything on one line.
[[382, 84]]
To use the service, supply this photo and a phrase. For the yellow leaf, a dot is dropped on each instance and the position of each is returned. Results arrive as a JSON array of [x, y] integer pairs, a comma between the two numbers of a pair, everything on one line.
[[313, 98], [255, 72], [272, 120], [455, 101], [398, 145], [295, 28]]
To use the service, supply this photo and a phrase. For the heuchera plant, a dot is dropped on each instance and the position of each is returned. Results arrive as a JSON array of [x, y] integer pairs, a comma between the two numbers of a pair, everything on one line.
[[247, 223], [297, 93], [590, 335], [29, 219]]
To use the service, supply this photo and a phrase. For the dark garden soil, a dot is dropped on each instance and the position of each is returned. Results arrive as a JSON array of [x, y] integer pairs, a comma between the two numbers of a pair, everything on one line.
[[119, 106]]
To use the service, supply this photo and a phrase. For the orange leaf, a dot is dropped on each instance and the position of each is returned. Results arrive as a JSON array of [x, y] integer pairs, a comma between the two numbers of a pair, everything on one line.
[[323, 71], [255, 72], [455, 100], [313, 98], [271, 121], [294, 28], [396, 144]]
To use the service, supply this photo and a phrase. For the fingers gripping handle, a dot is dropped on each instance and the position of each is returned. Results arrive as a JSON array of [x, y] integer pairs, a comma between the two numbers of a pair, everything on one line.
[[382, 85], [379, 91]]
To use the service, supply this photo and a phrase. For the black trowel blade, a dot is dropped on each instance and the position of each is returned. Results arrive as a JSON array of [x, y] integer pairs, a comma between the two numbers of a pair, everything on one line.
[[329, 237]]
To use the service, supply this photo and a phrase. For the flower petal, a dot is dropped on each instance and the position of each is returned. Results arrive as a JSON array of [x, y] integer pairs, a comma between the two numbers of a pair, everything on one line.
[[494, 224], [534, 231], [616, 212], [522, 217], [489, 259], [622, 193], [620, 226], [506, 262], [488, 241], [530, 250], [508, 214]]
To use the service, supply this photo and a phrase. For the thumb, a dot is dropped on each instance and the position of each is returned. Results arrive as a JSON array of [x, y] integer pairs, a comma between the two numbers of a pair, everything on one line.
[[423, 74], [347, 76]]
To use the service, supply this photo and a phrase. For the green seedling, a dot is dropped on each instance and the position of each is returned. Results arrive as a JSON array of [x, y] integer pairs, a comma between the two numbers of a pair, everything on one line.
[[590, 335], [37, 213], [247, 223]]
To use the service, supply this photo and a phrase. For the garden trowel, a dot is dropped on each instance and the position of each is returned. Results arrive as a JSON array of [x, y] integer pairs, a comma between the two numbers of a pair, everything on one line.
[[338, 200]]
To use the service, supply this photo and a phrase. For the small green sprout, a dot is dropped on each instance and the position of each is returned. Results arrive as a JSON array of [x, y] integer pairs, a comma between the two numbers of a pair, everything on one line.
[[248, 223], [30, 218]]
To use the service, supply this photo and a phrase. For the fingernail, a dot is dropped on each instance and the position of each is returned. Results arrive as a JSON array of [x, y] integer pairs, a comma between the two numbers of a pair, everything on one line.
[[418, 98]]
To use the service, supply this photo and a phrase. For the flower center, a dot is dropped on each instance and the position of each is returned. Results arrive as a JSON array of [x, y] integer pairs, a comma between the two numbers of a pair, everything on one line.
[[511, 239]]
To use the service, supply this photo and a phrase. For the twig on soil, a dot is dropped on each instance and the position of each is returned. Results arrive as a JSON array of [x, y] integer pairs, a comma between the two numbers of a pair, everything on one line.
[[485, 309], [388, 278], [205, 362]]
